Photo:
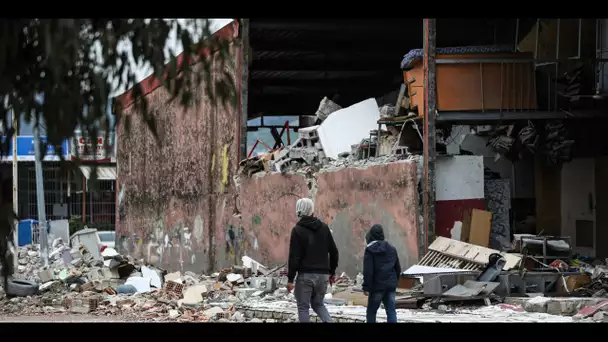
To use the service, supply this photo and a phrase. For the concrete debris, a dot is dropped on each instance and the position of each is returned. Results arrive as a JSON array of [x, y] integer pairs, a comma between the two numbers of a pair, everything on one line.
[[347, 138], [387, 111], [326, 107], [142, 292]]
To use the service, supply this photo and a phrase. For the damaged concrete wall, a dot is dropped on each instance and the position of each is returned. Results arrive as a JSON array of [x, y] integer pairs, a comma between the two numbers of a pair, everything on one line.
[[176, 196], [350, 200], [460, 186]]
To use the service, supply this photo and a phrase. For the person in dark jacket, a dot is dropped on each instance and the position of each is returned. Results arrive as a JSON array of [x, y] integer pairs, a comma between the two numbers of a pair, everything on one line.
[[381, 271], [313, 256]]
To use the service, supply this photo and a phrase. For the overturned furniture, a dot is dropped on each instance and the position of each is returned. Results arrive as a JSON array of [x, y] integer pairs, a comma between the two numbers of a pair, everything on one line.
[[455, 270]]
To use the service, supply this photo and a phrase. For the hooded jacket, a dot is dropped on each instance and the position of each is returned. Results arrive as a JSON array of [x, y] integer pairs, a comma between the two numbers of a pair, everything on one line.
[[312, 249], [381, 268]]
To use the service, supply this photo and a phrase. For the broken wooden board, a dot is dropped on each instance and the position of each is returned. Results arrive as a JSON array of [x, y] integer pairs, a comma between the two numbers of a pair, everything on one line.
[[444, 252]]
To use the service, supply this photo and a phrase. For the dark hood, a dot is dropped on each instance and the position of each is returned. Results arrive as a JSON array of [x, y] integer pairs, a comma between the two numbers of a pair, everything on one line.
[[378, 247], [310, 222], [376, 233]]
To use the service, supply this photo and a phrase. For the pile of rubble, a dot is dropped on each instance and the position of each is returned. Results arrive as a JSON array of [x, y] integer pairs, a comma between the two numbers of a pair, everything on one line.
[[325, 146], [77, 282]]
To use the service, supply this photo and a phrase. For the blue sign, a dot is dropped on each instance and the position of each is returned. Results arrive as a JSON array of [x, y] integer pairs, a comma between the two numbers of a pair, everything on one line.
[[26, 151]]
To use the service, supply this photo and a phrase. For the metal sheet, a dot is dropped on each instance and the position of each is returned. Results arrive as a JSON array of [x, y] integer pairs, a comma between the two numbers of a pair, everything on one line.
[[103, 172], [485, 286], [462, 291], [471, 289]]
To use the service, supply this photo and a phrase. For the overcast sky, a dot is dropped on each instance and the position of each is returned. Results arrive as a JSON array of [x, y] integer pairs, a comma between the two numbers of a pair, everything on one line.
[[173, 44]]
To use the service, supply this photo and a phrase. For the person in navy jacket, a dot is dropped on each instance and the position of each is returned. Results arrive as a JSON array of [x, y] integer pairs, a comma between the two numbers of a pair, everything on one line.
[[381, 271]]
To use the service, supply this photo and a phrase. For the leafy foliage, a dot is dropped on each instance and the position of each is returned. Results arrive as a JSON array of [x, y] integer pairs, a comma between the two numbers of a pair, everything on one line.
[[62, 72]]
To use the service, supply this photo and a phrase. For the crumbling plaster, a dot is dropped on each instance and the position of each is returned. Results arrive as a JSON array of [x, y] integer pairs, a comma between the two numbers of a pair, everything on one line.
[[176, 195], [350, 200]]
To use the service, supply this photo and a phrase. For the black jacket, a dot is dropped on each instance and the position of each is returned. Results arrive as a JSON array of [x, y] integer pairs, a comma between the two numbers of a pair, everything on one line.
[[381, 268], [311, 249]]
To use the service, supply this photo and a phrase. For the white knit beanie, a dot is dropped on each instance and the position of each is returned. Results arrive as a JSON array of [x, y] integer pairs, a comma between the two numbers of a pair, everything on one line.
[[305, 207]]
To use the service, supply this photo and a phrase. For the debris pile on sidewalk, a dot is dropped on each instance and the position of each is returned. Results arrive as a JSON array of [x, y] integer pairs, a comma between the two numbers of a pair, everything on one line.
[[118, 285]]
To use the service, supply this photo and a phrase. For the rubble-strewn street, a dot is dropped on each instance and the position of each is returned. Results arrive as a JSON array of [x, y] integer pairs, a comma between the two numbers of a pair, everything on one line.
[[119, 288]]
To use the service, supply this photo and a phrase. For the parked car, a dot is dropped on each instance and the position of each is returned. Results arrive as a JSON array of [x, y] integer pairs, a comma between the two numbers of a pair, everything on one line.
[[107, 239]]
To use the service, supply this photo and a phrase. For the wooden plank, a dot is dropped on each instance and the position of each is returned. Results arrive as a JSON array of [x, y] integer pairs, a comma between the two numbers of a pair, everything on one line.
[[472, 253], [466, 225], [481, 225]]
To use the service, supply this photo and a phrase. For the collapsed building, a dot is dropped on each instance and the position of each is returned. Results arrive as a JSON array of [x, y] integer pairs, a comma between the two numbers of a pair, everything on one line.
[[511, 146]]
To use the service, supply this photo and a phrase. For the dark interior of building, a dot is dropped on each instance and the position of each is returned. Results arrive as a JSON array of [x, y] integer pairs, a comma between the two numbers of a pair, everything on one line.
[[294, 63]]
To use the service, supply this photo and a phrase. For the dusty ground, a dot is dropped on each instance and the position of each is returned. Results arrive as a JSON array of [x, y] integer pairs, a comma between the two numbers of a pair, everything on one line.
[[483, 314], [61, 319]]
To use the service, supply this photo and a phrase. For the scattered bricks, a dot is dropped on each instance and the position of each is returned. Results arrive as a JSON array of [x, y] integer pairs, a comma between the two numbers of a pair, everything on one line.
[[95, 274], [125, 302], [77, 262], [173, 287], [93, 303], [223, 315], [90, 286], [213, 312], [308, 132]]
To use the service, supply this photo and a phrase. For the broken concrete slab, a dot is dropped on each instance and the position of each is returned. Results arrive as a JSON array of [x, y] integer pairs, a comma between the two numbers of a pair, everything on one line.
[[537, 304], [233, 278], [212, 312], [154, 277], [45, 275], [49, 285], [563, 308], [142, 285], [173, 314], [245, 293], [194, 294], [347, 126], [266, 284], [249, 263], [175, 277]]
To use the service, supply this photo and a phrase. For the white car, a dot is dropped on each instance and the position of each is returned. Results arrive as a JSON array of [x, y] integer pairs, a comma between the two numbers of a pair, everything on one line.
[[107, 239]]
